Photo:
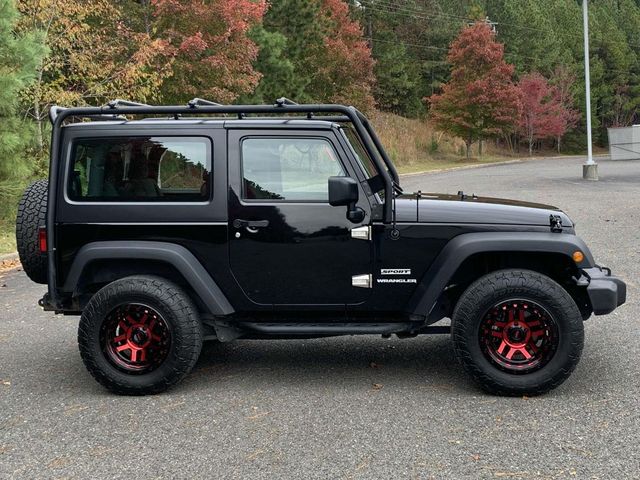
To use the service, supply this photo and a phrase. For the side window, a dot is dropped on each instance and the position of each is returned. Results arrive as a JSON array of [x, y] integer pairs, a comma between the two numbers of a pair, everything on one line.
[[295, 169], [168, 169]]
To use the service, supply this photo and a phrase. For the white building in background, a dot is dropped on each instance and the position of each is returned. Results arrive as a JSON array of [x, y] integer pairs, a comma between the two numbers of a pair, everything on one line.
[[624, 143]]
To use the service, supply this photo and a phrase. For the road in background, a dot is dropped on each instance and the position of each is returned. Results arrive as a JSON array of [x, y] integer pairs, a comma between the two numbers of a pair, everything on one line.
[[354, 407]]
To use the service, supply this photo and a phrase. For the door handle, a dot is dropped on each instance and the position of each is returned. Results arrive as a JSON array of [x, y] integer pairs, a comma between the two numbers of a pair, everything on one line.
[[250, 224]]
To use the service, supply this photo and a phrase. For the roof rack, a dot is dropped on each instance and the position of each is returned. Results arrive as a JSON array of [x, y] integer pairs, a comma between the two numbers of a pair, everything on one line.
[[54, 111], [197, 102], [283, 101], [127, 103]]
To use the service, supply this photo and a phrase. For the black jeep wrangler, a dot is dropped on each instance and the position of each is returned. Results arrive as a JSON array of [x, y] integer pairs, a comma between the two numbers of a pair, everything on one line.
[[164, 226]]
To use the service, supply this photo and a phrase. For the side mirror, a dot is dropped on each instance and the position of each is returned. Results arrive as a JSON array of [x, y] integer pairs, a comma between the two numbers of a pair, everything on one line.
[[344, 191]]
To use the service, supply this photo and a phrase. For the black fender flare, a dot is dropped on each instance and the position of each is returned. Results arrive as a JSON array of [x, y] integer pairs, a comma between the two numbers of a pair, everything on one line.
[[463, 246], [175, 255]]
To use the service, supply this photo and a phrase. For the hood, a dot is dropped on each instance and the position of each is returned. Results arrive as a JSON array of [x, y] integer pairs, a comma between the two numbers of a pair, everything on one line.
[[446, 208]]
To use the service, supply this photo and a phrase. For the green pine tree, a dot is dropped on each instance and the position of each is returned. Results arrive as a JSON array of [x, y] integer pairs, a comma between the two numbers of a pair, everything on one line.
[[397, 78], [20, 56], [288, 36], [397, 71], [278, 72]]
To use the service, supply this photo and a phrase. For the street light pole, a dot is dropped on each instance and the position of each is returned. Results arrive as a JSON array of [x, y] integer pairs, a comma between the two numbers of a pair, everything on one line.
[[590, 168]]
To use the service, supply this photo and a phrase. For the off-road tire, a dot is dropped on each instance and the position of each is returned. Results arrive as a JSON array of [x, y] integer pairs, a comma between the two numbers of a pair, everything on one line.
[[504, 285], [176, 309], [32, 211]]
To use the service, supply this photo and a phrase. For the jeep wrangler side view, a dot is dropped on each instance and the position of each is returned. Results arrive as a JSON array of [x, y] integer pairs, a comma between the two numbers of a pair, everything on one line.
[[164, 226]]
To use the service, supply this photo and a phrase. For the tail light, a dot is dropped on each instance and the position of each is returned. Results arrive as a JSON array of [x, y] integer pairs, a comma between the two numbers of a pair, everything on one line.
[[42, 239]]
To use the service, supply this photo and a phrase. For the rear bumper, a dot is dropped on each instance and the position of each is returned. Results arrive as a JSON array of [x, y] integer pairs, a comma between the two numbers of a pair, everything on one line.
[[606, 292]]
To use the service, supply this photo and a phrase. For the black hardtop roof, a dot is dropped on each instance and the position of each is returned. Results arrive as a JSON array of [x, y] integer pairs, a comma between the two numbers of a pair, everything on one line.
[[220, 122]]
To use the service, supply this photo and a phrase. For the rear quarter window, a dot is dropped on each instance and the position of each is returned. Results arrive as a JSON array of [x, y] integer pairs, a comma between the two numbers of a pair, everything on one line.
[[140, 169]]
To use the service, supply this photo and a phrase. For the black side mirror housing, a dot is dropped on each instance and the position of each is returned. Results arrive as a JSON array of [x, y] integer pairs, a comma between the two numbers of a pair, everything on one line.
[[344, 191]]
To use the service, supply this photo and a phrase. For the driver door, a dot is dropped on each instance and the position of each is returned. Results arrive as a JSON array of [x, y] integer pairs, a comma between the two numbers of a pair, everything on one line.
[[287, 245]]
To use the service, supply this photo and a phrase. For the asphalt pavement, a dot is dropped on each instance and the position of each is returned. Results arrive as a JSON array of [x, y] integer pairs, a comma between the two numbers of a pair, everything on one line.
[[352, 407]]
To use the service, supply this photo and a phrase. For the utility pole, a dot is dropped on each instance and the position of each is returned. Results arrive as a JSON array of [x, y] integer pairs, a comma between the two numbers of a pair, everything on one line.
[[590, 168]]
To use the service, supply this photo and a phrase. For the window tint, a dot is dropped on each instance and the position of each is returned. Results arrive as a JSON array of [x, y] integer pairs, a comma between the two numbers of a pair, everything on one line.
[[288, 168], [140, 169], [361, 154]]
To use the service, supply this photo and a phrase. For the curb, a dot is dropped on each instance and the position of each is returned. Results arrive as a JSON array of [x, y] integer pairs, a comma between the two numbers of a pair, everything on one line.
[[493, 164], [9, 257], [462, 167]]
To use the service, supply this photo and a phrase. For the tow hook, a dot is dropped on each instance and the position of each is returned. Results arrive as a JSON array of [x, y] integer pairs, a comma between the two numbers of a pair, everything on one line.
[[581, 281]]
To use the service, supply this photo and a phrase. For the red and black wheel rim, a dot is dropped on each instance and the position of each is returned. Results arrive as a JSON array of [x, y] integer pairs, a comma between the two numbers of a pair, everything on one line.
[[135, 338], [518, 336]]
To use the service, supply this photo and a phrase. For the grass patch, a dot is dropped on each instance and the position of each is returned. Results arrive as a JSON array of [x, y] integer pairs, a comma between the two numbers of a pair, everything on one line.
[[435, 164], [10, 193], [7, 237], [415, 146]]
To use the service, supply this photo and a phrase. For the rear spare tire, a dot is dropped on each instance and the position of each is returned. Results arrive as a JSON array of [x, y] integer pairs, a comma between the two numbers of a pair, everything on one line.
[[32, 211]]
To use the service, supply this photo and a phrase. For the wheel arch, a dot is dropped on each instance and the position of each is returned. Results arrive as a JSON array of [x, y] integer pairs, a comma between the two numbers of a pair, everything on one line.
[[124, 258], [467, 257]]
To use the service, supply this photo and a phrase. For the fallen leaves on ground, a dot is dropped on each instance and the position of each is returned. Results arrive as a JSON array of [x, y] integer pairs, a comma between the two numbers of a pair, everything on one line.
[[7, 265]]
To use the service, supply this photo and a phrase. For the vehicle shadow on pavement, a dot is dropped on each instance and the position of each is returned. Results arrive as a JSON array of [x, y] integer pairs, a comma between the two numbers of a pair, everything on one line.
[[343, 360]]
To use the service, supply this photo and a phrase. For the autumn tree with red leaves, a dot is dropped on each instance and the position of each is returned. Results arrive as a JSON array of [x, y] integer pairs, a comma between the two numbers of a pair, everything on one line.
[[342, 71], [563, 81], [541, 113], [546, 112], [481, 99], [211, 51]]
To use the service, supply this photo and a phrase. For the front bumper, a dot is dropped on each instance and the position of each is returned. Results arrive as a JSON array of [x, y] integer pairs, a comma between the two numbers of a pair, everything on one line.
[[605, 291]]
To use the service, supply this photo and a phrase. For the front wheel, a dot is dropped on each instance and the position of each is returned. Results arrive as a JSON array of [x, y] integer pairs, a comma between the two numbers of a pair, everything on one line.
[[140, 335], [517, 332]]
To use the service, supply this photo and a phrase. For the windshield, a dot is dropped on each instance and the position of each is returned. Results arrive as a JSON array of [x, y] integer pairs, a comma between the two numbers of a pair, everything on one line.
[[365, 162]]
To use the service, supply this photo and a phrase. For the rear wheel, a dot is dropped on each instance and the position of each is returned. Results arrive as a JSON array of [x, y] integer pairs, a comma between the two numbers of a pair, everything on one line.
[[140, 335], [517, 332]]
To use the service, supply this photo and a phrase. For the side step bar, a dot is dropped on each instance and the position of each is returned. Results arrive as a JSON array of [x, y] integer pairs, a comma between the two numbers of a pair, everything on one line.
[[325, 328], [322, 329]]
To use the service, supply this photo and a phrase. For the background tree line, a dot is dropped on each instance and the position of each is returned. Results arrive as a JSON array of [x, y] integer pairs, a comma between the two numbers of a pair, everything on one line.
[[405, 57]]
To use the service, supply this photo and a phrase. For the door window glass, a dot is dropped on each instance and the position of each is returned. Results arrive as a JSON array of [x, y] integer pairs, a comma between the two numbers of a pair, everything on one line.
[[168, 169], [295, 169]]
